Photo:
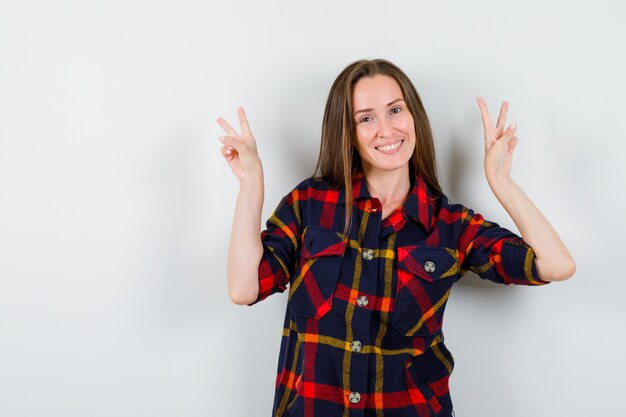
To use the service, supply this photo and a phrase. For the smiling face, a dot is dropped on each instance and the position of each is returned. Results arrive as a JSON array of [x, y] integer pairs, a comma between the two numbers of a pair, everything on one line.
[[385, 131]]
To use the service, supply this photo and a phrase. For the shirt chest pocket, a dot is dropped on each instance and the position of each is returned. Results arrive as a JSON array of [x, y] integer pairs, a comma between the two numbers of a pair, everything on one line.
[[313, 284], [425, 275]]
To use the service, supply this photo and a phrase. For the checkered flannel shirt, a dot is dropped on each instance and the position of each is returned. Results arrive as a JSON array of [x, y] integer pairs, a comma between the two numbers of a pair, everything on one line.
[[362, 333]]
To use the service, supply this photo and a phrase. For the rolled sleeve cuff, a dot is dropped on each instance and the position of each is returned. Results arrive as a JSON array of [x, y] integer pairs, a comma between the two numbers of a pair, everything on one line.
[[273, 275], [516, 263]]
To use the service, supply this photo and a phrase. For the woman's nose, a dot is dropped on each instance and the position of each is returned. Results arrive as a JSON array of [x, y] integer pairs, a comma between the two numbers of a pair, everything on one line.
[[385, 127]]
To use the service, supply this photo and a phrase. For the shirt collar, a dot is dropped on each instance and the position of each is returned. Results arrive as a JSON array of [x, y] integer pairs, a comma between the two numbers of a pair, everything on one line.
[[418, 205]]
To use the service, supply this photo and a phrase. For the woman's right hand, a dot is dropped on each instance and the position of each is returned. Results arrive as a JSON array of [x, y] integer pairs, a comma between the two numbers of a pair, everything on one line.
[[240, 150]]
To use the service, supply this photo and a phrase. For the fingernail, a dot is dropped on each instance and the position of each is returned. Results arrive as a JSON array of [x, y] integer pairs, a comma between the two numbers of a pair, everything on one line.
[[221, 139], [513, 125]]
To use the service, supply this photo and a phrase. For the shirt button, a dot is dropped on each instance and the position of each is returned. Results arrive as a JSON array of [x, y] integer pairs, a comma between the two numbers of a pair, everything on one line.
[[429, 266], [368, 254], [355, 397], [356, 346], [362, 301]]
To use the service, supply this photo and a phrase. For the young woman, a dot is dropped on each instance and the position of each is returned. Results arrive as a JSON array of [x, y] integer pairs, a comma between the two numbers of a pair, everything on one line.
[[371, 247]]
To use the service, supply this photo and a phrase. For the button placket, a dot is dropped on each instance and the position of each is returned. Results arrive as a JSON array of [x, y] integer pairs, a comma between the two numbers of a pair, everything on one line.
[[362, 301]]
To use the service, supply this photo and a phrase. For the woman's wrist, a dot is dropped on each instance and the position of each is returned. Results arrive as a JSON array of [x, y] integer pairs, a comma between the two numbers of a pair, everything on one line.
[[499, 180], [252, 183], [502, 185]]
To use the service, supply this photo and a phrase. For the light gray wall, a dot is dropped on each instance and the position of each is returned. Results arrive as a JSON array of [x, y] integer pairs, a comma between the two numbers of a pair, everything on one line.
[[116, 205]]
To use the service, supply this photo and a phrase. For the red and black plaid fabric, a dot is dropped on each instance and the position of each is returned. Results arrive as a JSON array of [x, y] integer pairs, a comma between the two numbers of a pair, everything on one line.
[[362, 333]]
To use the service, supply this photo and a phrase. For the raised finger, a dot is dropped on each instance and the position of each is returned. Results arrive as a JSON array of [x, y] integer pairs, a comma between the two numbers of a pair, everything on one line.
[[227, 128], [484, 111], [502, 117], [243, 121]]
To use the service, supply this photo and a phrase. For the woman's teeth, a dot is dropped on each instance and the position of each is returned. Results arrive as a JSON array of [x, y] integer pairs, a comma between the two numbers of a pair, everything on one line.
[[389, 148]]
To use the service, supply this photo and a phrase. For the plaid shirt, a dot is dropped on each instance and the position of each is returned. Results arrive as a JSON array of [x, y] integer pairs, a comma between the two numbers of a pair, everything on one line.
[[362, 333]]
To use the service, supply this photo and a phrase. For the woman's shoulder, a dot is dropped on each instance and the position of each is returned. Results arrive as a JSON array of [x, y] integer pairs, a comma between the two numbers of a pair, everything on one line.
[[312, 184], [460, 214], [451, 210]]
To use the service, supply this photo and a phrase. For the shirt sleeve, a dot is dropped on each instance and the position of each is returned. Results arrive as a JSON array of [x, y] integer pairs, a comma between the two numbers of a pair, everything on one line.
[[496, 253], [281, 245]]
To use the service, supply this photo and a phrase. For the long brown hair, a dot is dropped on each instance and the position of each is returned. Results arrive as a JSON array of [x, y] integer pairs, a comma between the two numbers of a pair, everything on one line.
[[338, 159]]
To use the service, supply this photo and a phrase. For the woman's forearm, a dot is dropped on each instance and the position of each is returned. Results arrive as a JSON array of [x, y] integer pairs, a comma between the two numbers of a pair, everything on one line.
[[245, 248], [553, 261]]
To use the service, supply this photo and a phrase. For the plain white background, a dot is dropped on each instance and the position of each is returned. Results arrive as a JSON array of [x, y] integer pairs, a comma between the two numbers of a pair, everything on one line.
[[116, 205]]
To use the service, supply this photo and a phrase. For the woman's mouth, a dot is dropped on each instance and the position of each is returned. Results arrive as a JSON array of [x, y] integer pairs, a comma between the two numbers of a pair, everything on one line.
[[391, 148]]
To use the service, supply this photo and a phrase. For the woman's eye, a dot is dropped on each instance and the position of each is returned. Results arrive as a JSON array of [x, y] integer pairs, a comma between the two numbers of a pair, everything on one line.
[[396, 108], [364, 119]]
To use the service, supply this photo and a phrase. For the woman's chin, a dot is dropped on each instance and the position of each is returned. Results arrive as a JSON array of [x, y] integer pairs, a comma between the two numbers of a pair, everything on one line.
[[388, 165]]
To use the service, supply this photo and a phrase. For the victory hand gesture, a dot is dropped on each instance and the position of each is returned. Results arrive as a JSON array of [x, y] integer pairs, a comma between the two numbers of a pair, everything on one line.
[[499, 143], [240, 150]]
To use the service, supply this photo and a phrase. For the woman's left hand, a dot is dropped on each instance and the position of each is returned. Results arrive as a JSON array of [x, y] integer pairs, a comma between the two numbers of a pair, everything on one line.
[[499, 143]]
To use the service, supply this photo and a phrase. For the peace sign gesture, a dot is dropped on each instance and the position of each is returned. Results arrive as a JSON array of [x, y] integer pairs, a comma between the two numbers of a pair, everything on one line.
[[499, 143], [240, 150]]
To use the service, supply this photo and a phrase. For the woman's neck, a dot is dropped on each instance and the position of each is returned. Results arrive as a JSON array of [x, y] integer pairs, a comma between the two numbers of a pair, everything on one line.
[[388, 186]]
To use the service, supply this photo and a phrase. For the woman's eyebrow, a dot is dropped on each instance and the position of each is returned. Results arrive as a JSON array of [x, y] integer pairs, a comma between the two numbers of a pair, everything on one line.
[[364, 110]]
